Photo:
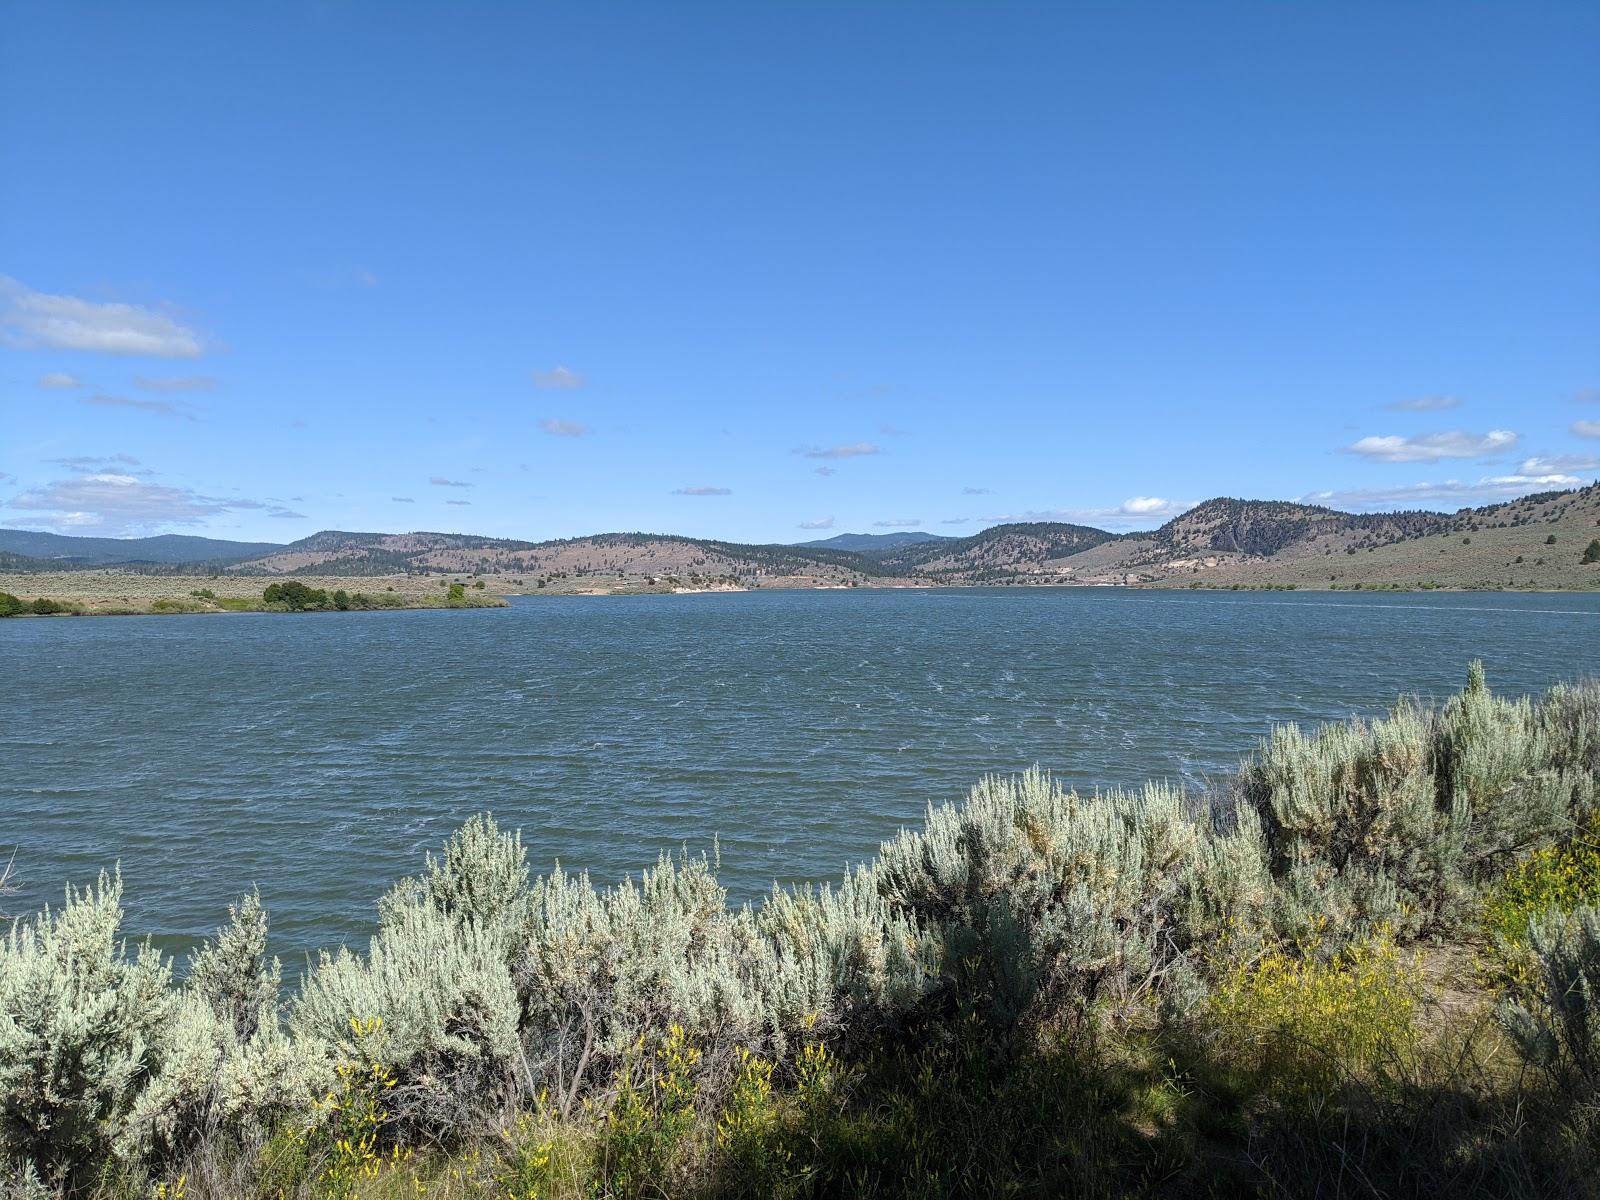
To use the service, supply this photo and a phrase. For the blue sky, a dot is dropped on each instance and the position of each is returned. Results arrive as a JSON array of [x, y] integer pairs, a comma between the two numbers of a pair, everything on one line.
[[756, 270]]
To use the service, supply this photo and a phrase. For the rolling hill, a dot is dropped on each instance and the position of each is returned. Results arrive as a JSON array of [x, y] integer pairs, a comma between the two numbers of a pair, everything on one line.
[[1537, 541]]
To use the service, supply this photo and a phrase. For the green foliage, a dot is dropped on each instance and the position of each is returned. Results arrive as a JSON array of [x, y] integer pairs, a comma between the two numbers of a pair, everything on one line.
[[10, 606], [1297, 1022], [1557, 878], [457, 592], [642, 1134], [295, 596], [1591, 552]]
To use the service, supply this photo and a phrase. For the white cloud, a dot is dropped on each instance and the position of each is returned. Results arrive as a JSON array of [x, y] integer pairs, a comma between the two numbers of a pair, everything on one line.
[[1452, 493], [853, 450], [556, 427], [114, 503], [59, 381], [33, 319], [561, 379], [441, 481], [102, 400], [819, 523], [1141, 506], [1431, 447], [1586, 429], [1424, 404], [1558, 464], [899, 523], [956, 521], [702, 491], [175, 383]]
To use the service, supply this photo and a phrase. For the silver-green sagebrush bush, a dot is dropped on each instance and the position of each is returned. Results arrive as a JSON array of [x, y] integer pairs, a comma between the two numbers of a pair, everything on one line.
[[1026, 907], [1560, 1030], [227, 1069], [1401, 822], [81, 1031]]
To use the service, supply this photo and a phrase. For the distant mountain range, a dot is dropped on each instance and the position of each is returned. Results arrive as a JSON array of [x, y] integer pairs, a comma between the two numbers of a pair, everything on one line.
[[875, 543], [59, 549], [1536, 541]]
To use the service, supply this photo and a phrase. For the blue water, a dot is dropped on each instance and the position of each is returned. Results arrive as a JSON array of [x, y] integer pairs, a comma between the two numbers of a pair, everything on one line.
[[320, 755]]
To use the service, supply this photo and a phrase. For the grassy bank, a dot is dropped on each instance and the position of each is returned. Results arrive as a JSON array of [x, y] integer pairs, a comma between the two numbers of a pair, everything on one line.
[[109, 593], [1366, 965]]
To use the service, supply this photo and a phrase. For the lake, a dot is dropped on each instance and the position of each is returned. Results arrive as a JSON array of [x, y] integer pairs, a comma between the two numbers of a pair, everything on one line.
[[319, 756]]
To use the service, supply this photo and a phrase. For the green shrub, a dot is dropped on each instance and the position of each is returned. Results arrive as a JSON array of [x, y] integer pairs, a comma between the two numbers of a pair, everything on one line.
[[10, 606], [1591, 552], [295, 596], [1557, 878], [1298, 1022]]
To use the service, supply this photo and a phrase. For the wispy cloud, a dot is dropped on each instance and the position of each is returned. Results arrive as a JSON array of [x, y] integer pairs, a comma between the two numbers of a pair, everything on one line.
[[826, 470], [1586, 429], [116, 503], [702, 491], [853, 450], [1557, 464], [1450, 493], [441, 481], [1424, 404], [1431, 447], [30, 320], [59, 381], [286, 514], [559, 379], [98, 462], [556, 427], [402, 500], [899, 523], [819, 523], [165, 408], [956, 521], [175, 383], [460, 503], [977, 491]]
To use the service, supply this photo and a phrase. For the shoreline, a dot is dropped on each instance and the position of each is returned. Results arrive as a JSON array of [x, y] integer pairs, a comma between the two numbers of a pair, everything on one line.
[[141, 595]]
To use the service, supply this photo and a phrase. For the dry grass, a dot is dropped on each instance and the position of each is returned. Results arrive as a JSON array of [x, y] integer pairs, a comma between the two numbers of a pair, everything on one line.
[[117, 592]]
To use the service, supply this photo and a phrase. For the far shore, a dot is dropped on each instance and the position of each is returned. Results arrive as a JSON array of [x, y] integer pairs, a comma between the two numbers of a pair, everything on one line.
[[113, 593]]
